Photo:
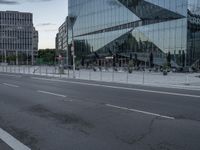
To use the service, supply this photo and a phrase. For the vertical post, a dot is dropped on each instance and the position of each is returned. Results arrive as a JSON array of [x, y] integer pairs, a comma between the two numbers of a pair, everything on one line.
[[17, 61], [127, 77], [2, 56], [185, 58], [5, 54], [101, 75], [90, 74], [143, 77], [46, 71], [67, 52], [27, 57], [113, 75], [32, 58], [73, 53]]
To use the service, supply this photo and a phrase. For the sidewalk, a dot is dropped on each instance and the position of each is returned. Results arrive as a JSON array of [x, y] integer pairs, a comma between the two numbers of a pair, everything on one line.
[[189, 80]]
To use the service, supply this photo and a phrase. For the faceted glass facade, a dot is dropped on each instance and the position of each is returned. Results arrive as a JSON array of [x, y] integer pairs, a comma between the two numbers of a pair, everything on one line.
[[127, 27], [193, 39]]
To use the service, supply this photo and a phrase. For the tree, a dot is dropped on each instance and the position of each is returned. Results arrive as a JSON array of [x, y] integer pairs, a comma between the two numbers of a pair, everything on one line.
[[183, 59], [136, 60], [114, 61], [47, 56], [83, 61], [169, 59], [151, 60]]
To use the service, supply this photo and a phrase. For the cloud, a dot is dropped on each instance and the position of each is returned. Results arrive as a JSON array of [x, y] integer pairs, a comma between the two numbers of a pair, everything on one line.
[[8, 2], [51, 30], [16, 2], [45, 24]]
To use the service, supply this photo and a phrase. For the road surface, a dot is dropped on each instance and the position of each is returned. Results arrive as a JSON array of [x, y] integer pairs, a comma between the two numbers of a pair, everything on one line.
[[51, 114]]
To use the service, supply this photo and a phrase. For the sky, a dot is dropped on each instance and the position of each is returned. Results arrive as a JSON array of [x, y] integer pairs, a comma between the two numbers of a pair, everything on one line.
[[48, 15]]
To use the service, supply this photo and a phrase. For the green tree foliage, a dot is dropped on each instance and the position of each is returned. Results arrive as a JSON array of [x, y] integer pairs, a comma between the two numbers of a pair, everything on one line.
[[169, 59], [151, 58], [47, 56]]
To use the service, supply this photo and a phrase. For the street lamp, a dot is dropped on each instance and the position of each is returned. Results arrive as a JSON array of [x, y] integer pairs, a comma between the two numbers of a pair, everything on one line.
[[72, 21]]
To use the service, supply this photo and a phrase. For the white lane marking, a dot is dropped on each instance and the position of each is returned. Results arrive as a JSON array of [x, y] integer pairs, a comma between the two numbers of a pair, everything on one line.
[[49, 93], [10, 85], [122, 88], [140, 111], [11, 141], [67, 100], [9, 75]]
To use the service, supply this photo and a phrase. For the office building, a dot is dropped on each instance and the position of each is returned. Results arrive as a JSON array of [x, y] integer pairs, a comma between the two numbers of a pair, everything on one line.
[[18, 38]]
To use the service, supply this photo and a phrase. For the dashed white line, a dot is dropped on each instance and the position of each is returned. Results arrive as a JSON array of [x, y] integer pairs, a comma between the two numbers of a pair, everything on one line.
[[10, 85], [122, 88], [67, 100], [140, 111], [11, 141], [50, 93]]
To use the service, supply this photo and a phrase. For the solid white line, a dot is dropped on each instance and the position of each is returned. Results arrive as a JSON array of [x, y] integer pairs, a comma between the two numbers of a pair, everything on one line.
[[11, 141], [140, 111], [17, 76], [10, 85], [122, 88], [49, 93]]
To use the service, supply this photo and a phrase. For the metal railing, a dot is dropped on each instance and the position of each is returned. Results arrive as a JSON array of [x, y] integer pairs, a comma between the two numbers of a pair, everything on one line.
[[120, 75]]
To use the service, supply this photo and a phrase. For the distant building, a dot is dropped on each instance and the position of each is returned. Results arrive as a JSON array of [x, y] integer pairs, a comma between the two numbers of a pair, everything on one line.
[[18, 37], [62, 40]]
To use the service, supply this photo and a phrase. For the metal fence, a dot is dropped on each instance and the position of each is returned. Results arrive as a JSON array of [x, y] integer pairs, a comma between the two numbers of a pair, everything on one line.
[[108, 75]]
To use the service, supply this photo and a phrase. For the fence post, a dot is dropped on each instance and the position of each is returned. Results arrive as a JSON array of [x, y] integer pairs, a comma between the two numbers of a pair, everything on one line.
[[143, 77], [113, 75], [101, 75], [46, 71], [127, 77], [187, 80], [89, 74]]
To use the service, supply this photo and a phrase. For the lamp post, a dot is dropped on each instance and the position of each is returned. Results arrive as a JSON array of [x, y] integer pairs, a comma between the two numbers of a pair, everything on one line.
[[72, 21], [73, 54]]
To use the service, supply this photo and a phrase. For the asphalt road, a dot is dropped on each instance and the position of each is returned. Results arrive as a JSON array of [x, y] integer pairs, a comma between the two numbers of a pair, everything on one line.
[[50, 114]]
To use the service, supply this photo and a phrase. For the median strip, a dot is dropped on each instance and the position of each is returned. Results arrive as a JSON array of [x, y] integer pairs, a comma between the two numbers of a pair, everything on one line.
[[140, 111], [11, 141], [54, 94]]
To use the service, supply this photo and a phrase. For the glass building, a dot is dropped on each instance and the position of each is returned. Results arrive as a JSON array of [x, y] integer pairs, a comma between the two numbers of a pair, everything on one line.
[[136, 28]]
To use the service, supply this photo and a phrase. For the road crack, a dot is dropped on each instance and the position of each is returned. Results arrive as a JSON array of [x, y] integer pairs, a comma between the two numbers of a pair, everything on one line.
[[134, 140]]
